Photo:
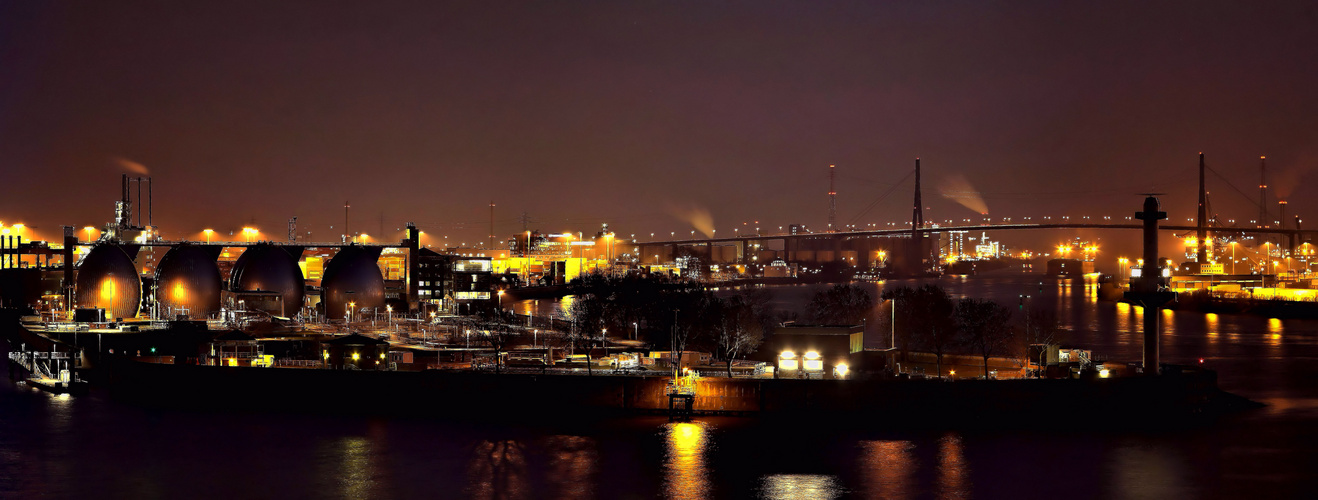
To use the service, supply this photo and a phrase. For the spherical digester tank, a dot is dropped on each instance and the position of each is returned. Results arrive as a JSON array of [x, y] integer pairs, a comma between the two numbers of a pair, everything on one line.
[[352, 278], [107, 279], [270, 269], [188, 281]]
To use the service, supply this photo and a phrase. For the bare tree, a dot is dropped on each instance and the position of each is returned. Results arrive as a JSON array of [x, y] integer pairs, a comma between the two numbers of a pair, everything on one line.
[[499, 333], [986, 326], [741, 329], [843, 304], [928, 316], [587, 312]]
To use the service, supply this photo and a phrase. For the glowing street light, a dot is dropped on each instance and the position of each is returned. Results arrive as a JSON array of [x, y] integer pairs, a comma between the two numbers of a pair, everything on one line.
[[89, 230], [208, 233]]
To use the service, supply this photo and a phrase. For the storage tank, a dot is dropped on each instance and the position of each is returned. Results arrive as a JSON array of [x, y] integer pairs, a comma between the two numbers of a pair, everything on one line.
[[352, 276], [268, 268], [188, 282], [107, 279]]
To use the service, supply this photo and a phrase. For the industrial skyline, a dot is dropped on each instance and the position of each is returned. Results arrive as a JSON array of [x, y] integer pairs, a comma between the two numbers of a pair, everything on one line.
[[641, 115]]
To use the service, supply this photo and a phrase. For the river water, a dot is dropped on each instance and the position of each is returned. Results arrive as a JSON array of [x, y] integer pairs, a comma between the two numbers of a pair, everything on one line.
[[58, 446]]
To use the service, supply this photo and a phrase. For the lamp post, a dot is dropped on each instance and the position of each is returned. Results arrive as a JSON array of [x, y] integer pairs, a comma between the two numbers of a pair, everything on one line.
[[207, 232], [88, 229], [636, 330]]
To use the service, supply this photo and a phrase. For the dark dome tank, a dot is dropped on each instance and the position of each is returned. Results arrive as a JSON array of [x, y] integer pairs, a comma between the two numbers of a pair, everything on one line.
[[271, 269], [107, 278], [188, 279], [352, 276]]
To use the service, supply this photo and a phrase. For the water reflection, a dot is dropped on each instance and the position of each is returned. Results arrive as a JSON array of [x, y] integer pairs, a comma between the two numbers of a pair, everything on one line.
[[572, 465], [1168, 322], [1275, 329], [889, 467], [687, 476], [1210, 327], [811, 486], [355, 468], [953, 472], [498, 470], [1143, 471]]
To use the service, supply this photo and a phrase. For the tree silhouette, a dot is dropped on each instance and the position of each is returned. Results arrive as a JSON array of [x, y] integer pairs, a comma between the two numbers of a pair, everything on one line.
[[842, 304], [986, 326]]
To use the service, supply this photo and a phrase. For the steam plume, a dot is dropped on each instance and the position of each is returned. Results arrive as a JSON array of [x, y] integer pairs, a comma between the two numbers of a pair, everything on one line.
[[132, 166], [957, 188], [699, 218]]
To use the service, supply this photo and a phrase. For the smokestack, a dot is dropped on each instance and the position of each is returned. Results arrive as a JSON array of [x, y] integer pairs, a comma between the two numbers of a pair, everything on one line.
[[139, 198], [491, 247], [1201, 254], [917, 216], [1263, 191], [150, 202], [413, 249], [1281, 211], [832, 201], [66, 285]]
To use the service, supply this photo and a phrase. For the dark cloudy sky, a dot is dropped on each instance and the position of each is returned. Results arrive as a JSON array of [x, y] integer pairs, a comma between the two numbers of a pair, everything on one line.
[[628, 112]]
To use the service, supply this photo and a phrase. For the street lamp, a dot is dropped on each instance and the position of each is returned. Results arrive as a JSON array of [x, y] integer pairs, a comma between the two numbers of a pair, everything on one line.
[[636, 331], [89, 230], [208, 233]]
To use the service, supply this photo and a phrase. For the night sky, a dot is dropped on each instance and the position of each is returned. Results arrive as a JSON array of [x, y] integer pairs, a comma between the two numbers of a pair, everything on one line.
[[635, 113]]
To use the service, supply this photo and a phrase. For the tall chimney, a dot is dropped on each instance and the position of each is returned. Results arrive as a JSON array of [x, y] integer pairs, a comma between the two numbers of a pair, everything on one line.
[[1263, 191], [832, 201], [917, 216], [1201, 254]]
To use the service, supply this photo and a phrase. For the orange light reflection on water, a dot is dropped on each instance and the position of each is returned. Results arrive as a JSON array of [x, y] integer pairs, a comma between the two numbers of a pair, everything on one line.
[[1275, 329], [953, 472], [687, 477], [812, 486], [574, 465], [889, 467]]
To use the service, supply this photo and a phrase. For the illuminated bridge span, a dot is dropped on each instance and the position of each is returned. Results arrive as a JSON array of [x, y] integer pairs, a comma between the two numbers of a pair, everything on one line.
[[911, 245], [863, 248], [977, 227]]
